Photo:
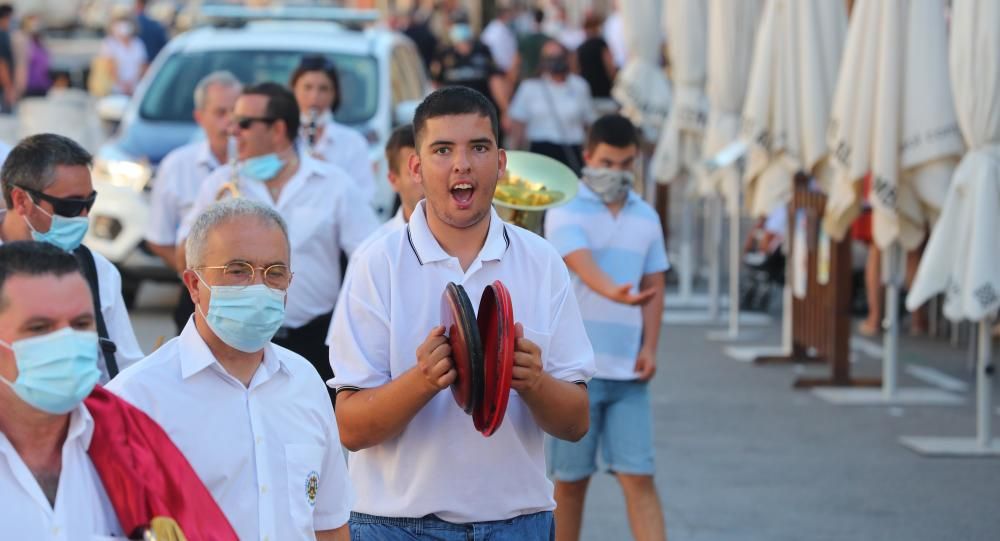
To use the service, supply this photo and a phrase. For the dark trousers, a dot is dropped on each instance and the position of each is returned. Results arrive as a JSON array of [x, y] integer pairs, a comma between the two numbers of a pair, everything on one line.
[[183, 310], [309, 341], [570, 155]]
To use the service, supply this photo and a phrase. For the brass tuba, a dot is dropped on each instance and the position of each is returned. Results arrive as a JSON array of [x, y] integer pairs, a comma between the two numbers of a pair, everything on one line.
[[532, 184], [232, 186]]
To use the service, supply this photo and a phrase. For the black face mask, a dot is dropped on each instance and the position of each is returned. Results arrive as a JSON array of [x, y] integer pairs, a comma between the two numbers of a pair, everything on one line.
[[557, 65]]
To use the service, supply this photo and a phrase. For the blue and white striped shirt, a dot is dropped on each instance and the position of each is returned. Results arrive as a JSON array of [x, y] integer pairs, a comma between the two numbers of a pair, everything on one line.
[[626, 247]]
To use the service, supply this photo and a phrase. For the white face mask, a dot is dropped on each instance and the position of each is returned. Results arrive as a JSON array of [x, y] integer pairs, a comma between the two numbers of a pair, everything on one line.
[[313, 115], [610, 185]]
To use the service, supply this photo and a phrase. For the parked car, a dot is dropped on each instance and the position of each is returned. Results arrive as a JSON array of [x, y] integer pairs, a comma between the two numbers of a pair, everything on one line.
[[382, 80]]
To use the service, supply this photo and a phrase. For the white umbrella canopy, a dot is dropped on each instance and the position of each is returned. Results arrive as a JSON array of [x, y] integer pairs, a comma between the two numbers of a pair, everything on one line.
[[893, 116], [642, 87], [732, 28], [679, 147], [792, 78], [961, 255]]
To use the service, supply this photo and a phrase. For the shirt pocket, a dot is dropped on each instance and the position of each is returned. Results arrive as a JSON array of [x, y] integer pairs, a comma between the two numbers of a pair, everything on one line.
[[304, 463]]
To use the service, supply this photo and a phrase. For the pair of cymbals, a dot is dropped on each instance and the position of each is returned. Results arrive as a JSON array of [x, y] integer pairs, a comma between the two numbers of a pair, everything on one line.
[[483, 352]]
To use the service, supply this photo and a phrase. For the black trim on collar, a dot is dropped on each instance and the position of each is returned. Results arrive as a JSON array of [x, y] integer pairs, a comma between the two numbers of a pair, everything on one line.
[[414, 248], [505, 238]]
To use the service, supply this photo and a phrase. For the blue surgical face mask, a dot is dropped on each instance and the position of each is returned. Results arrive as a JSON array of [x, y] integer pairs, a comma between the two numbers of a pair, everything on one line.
[[56, 371], [245, 318], [66, 233], [262, 168], [460, 33]]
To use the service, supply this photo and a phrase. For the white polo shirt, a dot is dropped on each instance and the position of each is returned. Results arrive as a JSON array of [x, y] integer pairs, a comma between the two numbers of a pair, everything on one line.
[[109, 281], [440, 464], [177, 182], [82, 512], [325, 215], [626, 247], [269, 453], [347, 149]]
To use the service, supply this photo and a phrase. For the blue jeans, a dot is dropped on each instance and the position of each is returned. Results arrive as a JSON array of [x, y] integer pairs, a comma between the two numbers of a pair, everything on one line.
[[534, 527], [620, 427]]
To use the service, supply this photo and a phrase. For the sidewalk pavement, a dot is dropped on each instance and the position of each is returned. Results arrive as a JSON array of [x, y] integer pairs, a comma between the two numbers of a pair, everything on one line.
[[743, 456]]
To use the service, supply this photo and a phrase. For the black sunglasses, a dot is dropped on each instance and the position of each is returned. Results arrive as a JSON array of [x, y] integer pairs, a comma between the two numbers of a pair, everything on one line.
[[69, 207], [244, 122]]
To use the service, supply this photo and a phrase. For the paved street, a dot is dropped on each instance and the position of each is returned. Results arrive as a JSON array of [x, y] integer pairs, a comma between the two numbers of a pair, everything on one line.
[[741, 456]]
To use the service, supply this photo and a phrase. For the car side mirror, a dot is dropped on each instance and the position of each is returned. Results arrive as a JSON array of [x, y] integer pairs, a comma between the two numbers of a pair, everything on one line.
[[112, 108]]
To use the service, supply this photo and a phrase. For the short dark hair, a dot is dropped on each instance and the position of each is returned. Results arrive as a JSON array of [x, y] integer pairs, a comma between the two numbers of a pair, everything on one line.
[[538, 15], [32, 163], [614, 130], [454, 100], [27, 257], [402, 137], [281, 105], [321, 64], [6, 10]]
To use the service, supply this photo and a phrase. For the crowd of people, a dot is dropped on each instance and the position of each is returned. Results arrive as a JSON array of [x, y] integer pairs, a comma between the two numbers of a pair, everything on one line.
[[547, 77], [238, 427]]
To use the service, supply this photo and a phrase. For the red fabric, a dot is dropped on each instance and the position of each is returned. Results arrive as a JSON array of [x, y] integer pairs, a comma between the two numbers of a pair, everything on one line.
[[145, 475], [861, 229]]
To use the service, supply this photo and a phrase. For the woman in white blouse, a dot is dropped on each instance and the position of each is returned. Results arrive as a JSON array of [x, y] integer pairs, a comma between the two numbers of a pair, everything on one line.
[[550, 113], [316, 86]]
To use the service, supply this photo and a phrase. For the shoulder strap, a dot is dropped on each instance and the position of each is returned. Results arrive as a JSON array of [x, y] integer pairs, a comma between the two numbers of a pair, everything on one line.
[[89, 268]]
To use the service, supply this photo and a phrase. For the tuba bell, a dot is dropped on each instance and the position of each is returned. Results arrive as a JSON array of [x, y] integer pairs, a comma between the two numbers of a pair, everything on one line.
[[232, 186], [532, 184]]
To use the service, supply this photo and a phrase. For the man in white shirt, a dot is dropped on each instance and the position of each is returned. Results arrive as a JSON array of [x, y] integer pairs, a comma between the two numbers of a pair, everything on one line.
[[324, 212], [48, 193], [418, 463], [398, 150], [252, 418], [50, 488], [182, 171]]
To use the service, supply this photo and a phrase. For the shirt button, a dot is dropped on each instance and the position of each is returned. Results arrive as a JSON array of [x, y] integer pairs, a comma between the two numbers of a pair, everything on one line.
[[260, 440], [263, 489], [55, 530]]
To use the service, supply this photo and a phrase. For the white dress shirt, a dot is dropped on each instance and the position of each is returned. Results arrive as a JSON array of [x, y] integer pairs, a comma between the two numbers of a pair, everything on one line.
[[440, 464], [554, 112], [177, 182], [325, 214], [109, 281], [269, 453], [82, 511], [347, 149]]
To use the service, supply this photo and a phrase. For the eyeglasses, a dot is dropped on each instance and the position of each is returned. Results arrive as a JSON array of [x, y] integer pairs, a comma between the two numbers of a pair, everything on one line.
[[69, 207], [242, 274], [244, 122]]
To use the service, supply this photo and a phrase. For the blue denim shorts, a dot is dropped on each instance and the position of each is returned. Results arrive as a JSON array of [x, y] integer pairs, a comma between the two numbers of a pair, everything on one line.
[[621, 426], [534, 527]]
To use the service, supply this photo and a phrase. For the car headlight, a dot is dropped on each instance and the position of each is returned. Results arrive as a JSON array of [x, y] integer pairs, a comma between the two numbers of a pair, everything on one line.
[[125, 173]]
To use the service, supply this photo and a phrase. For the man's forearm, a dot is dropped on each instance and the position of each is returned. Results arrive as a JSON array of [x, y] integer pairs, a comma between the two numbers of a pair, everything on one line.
[[560, 408], [342, 533], [652, 312], [371, 416], [167, 253]]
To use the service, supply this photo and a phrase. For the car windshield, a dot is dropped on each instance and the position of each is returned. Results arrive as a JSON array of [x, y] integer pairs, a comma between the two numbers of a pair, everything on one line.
[[170, 96]]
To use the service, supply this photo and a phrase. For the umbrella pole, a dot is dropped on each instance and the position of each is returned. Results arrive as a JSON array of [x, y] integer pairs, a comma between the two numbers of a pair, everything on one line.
[[715, 255], [984, 385], [891, 265], [734, 261], [687, 265]]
